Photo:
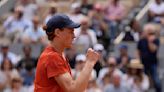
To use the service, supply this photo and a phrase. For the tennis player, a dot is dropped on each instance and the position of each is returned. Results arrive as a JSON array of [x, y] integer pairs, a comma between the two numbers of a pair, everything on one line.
[[53, 73]]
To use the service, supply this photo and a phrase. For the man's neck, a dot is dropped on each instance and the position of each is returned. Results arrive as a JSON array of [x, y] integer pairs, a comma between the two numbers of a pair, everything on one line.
[[117, 86], [57, 47], [35, 28], [27, 56], [4, 55], [124, 55]]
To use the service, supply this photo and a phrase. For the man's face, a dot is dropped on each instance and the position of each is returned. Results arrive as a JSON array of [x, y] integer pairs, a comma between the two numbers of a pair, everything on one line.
[[116, 80], [5, 50], [67, 36], [27, 51], [150, 33], [111, 64], [35, 23], [158, 1], [114, 1], [123, 51], [84, 25], [84, 1], [18, 14], [53, 10]]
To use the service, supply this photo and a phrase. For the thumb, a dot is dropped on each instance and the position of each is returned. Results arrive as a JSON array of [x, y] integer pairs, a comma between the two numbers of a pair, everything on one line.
[[90, 49]]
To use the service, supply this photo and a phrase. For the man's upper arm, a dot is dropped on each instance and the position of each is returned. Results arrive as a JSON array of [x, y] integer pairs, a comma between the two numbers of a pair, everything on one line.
[[55, 66], [65, 81], [57, 69]]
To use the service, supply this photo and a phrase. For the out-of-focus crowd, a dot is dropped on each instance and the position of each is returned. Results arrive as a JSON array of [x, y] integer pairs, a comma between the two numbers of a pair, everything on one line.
[[101, 22]]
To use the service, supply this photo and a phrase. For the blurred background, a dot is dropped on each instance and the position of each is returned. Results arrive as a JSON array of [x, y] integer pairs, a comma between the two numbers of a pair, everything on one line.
[[129, 35]]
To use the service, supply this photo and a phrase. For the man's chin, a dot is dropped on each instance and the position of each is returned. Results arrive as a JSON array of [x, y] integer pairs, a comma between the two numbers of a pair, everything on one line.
[[70, 46]]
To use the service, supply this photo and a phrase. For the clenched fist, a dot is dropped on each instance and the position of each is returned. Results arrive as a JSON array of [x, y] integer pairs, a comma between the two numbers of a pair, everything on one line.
[[92, 56]]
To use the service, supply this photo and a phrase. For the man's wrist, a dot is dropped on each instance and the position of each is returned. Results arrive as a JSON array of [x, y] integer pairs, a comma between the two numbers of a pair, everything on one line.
[[90, 63]]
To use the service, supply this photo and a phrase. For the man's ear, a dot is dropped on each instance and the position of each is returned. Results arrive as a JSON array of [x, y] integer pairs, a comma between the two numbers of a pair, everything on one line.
[[57, 32]]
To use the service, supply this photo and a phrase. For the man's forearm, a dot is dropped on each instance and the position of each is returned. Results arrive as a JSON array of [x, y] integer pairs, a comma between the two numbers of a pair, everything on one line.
[[82, 80], [67, 83]]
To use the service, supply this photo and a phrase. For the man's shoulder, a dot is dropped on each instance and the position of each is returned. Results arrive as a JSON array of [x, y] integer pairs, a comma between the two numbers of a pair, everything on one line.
[[49, 51], [49, 54], [142, 41]]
